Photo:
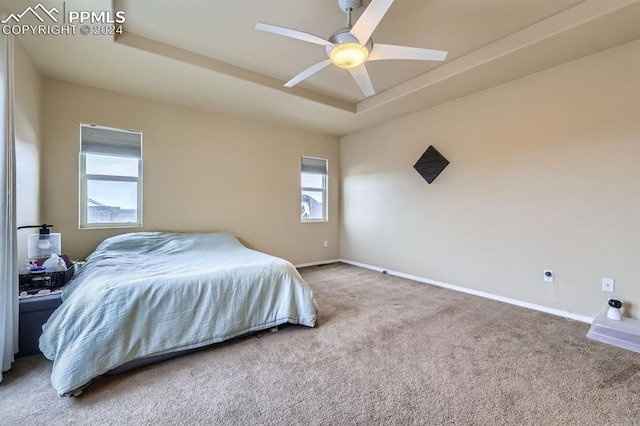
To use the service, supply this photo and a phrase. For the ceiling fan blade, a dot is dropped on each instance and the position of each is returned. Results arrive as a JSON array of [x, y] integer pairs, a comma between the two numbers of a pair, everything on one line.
[[307, 73], [299, 35], [389, 51], [361, 76], [370, 19]]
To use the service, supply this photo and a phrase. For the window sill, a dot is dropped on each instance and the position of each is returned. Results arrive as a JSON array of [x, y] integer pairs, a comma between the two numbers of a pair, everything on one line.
[[111, 226]]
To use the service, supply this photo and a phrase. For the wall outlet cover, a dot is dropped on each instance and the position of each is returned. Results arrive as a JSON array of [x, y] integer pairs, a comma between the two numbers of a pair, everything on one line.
[[608, 284]]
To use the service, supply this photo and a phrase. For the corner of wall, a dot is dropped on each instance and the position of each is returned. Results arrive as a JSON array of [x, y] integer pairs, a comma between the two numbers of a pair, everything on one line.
[[28, 113]]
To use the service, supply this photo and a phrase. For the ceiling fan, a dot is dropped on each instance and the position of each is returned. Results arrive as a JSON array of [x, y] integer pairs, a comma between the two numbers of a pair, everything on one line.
[[351, 47]]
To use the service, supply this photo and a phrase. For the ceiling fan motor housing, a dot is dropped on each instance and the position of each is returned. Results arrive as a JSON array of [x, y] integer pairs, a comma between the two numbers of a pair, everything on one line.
[[343, 36]]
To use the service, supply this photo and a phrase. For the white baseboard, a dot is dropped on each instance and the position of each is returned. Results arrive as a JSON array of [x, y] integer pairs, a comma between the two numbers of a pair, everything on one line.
[[321, 262], [508, 300]]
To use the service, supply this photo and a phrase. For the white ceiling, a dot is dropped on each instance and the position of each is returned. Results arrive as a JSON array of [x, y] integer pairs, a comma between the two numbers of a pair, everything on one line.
[[207, 54]]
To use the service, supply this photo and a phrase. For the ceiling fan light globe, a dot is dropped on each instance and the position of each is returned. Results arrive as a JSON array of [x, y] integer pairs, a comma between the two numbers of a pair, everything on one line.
[[348, 55]]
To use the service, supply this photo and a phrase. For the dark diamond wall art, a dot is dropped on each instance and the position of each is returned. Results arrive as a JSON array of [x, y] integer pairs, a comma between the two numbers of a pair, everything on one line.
[[431, 164]]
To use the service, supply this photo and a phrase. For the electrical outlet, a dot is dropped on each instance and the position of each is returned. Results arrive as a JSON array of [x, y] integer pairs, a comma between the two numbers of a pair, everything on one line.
[[608, 284], [326, 243], [548, 275]]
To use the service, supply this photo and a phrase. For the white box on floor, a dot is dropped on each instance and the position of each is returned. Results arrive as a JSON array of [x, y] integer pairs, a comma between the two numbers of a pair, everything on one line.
[[623, 334]]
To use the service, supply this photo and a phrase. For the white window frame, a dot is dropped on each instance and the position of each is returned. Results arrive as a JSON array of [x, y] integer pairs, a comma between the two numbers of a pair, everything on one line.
[[324, 189], [84, 178]]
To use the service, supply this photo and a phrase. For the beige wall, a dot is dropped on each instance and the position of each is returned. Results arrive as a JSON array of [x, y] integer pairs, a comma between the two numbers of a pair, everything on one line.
[[202, 172], [544, 174], [28, 118]]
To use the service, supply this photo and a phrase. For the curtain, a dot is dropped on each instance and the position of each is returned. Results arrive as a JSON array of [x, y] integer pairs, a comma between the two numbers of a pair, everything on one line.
[[8, 231]]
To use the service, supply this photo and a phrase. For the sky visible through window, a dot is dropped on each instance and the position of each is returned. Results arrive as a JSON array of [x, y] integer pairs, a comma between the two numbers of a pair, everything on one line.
[[110, 193], [313, 181], [113, 194]]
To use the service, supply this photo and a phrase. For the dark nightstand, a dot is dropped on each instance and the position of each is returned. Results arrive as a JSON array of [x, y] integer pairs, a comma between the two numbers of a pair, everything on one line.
[[34, 312]]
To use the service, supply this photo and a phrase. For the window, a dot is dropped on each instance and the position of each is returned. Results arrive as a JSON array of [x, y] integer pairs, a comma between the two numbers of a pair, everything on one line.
[[314, 189], [110, 177]]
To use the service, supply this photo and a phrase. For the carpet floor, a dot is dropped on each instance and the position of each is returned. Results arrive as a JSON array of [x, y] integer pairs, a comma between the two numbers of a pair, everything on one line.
[[385, 351]]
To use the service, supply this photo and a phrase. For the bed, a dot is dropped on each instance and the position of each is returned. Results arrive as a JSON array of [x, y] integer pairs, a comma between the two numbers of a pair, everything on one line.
[[148, 294]]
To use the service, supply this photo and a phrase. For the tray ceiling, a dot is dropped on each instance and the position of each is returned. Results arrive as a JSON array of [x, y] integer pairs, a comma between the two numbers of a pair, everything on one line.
[[207, 54]]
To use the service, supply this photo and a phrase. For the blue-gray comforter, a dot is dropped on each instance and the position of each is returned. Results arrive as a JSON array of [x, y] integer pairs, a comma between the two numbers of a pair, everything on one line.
[[150, 293]]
